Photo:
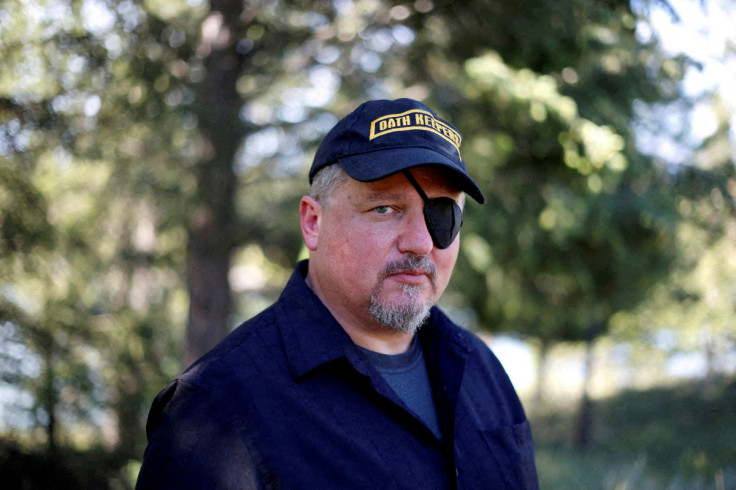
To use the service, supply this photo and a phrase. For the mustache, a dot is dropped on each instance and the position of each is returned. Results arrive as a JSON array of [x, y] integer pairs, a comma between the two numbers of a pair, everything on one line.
[[410, 264]]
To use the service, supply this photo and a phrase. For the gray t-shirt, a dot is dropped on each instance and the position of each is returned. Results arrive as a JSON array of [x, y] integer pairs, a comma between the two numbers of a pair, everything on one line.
[[406, 374]]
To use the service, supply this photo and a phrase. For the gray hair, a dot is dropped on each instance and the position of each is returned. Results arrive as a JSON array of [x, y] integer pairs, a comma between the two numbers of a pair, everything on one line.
[[325, 182]]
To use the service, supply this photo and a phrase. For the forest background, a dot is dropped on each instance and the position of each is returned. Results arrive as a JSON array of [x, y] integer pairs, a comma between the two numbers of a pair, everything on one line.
[[153, 153]]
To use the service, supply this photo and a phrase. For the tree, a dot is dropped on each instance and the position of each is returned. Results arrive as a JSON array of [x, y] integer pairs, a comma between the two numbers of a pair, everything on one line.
[[90, 156], [153, 153], [580, 224]]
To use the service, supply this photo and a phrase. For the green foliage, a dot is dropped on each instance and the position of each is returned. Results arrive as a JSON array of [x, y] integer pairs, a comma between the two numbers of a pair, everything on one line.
[[138, 138], [91, 262], [591, 221], [691, 311]]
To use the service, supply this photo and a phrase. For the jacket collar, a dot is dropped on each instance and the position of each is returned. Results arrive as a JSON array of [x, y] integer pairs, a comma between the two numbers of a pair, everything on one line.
[[310, 333], [312, 336]]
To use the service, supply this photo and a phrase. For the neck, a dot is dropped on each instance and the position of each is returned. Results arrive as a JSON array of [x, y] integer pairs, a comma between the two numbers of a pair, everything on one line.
[[382, 342]]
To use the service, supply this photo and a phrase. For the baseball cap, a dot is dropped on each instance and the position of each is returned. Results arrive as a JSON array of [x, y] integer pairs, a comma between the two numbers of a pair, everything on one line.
[[383, 137]]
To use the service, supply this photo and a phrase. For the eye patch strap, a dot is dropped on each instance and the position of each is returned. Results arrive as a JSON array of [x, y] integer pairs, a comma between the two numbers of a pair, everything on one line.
[[442, 216], [416, 185]]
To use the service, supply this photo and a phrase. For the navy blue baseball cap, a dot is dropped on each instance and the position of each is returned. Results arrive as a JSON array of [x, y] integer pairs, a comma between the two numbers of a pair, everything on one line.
[[383, 137]]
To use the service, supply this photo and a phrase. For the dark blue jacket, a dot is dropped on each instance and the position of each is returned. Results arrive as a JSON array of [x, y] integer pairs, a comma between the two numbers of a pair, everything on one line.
[[287, 401]]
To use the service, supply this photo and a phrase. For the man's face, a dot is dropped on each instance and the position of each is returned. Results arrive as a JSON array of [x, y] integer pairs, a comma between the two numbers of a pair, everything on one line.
[[372, 260]]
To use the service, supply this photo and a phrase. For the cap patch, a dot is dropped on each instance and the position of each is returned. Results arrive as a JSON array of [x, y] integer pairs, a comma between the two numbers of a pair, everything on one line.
[[415, 119]]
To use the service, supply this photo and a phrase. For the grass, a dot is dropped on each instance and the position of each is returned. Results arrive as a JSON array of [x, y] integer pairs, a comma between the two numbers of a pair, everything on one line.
[[667, 438]]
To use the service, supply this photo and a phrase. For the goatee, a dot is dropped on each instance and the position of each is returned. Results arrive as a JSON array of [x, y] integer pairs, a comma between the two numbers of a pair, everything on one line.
[[409, 314]]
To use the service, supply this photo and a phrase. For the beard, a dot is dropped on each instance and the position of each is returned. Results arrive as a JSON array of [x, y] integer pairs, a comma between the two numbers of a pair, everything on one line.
[[410, 313]]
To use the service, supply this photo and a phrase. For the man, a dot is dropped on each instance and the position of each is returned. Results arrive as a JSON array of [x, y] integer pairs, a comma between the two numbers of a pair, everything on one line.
[[353, 378]]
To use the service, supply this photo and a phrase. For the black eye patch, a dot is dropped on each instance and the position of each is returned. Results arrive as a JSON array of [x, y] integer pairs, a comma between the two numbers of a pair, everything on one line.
[[443, 216]]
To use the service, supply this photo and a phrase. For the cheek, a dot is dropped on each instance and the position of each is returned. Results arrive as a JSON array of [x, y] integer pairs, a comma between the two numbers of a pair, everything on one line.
[[445, 262], [357, 250], [363, 239], [367, 256]]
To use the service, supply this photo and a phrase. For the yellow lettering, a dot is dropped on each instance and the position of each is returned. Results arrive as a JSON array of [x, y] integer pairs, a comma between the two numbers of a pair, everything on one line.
[[421, 121]]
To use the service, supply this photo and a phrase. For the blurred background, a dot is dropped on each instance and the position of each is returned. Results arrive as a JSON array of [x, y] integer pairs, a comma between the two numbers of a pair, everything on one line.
[[153, 154]]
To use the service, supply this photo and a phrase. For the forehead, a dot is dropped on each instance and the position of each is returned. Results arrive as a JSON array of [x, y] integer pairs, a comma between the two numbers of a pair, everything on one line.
[[434, 181]]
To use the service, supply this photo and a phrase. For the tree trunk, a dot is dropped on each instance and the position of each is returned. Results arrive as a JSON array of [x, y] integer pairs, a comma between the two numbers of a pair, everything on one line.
[[584, 423], [212, 225], [543, 358], [49, 398]]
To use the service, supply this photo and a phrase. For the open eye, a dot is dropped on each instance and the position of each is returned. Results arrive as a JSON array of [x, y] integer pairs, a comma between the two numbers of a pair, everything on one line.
[[383, 209]]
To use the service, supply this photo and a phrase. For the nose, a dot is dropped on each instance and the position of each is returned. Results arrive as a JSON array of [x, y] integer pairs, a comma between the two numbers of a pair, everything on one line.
[[414, 237]]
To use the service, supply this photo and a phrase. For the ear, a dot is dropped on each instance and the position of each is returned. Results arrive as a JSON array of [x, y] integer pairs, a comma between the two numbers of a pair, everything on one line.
[[310, 214]]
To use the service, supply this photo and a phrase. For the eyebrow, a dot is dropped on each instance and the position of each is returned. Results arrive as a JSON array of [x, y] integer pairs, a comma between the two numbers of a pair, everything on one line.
[[377, 196]]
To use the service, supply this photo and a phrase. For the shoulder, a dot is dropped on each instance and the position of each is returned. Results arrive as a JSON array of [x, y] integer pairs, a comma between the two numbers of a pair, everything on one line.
[[196, 427], [199, 387], [195, 441], [244, 345]]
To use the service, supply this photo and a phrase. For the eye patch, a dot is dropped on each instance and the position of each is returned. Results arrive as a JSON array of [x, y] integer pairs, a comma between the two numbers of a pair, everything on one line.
[[443, 216]]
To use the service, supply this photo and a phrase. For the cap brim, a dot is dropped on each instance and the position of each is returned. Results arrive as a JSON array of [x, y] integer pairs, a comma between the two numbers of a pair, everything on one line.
[[375, 165]]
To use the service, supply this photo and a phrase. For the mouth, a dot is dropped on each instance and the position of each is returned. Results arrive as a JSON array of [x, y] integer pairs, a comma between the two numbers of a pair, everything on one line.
[[411, 276], [411, 270]]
